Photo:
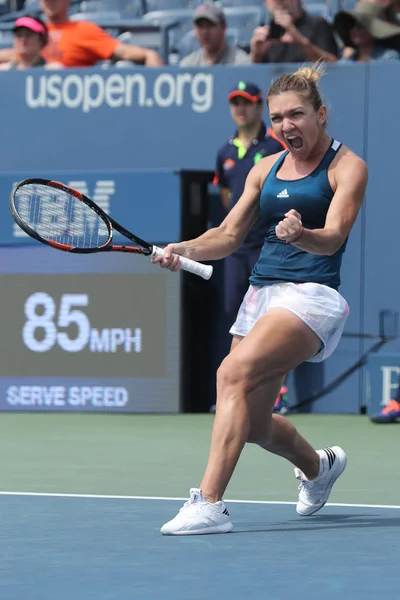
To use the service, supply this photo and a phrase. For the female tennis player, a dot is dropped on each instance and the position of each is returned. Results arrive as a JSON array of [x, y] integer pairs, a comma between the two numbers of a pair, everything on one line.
[[308, 197]]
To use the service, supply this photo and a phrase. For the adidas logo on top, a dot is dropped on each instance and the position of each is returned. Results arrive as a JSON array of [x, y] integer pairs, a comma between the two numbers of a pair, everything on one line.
[[283, 194]]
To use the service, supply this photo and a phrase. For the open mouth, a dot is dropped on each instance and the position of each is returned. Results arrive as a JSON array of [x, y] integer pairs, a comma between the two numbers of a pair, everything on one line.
[[294, 142]]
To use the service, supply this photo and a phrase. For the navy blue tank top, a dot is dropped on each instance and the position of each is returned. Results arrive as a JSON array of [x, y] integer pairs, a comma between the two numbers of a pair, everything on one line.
[[311, 197]]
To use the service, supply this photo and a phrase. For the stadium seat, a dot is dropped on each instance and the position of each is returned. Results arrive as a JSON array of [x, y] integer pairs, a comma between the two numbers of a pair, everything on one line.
[[127, 8], [242, 3], [101, 15], [344, 5], [32, 6], [145, 40], [152, 5], [320, 9], [181, 21], [245, 20], [6, 39]]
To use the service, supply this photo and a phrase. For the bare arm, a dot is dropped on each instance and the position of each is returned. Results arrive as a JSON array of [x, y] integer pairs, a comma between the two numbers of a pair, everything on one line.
[[324, 46], [351, 181], [221, 241], [311, 51], [7, 55], [260, 45], [53, 65], [225, 194], [137, 54]]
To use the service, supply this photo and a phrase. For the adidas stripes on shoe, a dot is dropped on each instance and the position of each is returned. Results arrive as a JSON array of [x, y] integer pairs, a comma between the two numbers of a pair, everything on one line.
[[314, 494]]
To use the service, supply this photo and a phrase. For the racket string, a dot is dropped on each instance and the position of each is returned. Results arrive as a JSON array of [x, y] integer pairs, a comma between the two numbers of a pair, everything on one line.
[[58, 216]]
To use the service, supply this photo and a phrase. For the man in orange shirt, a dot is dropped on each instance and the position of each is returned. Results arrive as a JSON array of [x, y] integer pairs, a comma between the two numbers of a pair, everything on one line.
[[81, 43]]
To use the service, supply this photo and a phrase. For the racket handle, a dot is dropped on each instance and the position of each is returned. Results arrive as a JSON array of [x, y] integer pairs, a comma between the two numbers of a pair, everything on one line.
[[192, 266]]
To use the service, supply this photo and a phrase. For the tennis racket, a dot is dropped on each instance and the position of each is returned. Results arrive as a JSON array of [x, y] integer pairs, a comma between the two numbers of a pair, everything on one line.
[[57, 215]]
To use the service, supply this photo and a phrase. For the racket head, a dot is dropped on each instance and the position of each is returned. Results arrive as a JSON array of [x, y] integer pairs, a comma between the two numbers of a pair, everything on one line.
[[60, 216]]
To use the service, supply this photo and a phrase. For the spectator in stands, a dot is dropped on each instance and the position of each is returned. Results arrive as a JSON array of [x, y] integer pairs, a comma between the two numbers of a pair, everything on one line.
[[391, 9], [293, 35], [366, 34], [210, 27], [81, 43], [30, 37]]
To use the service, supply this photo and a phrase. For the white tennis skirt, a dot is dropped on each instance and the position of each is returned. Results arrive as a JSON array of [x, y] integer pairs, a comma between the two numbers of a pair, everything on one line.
[[320, 307]]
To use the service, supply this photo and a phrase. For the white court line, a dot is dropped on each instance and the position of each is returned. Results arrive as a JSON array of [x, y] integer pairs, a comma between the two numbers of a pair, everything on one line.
[[164, 498]]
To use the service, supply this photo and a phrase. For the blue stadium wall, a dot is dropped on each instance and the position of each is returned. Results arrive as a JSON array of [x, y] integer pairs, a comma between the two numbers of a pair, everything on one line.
[[125, 134]]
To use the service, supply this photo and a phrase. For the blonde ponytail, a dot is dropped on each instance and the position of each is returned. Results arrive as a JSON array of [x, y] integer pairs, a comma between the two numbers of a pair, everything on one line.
[[312, 72]]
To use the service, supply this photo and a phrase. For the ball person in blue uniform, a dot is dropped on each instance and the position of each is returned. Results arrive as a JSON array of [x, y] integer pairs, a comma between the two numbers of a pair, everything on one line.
[[308, 197], [250, 143]]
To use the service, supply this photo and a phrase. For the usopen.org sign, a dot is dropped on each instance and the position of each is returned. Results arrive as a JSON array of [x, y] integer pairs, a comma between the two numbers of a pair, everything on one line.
[[93, 91], [101, 194]]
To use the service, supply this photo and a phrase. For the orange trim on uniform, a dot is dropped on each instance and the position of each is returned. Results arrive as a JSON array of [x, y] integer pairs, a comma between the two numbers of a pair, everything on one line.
[[243, 94], [216, 179], [272, 134]]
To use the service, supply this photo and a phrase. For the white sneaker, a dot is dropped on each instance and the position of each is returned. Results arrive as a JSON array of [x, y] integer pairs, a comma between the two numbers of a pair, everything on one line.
[[198, 516], [314, 494]]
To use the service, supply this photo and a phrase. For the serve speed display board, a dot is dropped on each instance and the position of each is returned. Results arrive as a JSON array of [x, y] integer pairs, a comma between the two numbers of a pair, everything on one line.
[[87, 333]]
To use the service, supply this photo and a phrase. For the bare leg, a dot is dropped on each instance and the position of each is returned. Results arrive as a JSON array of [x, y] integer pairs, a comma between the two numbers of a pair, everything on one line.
[[279, 342], [277, 434]]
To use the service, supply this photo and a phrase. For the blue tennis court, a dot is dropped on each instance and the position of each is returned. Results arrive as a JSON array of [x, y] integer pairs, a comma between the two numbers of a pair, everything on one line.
[[82, 500], [105, 548]]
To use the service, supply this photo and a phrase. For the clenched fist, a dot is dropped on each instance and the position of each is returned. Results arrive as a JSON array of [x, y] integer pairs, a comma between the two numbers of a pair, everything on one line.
[[291, 228]]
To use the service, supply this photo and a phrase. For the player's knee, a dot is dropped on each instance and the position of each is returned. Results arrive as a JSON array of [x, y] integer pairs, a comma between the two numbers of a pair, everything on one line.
[[233, 376], [244, 375]]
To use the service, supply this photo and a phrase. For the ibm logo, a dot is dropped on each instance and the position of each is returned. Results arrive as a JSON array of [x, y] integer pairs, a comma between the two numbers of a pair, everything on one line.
[[103, 190]]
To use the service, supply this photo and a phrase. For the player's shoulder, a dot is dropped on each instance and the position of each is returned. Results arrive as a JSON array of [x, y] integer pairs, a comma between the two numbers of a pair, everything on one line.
[[268, 162], [348, 160], [262, 169]]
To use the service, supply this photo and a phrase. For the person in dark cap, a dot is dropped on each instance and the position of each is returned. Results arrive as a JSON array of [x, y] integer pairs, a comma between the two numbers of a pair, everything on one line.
[[366, 30], [210, 27]]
